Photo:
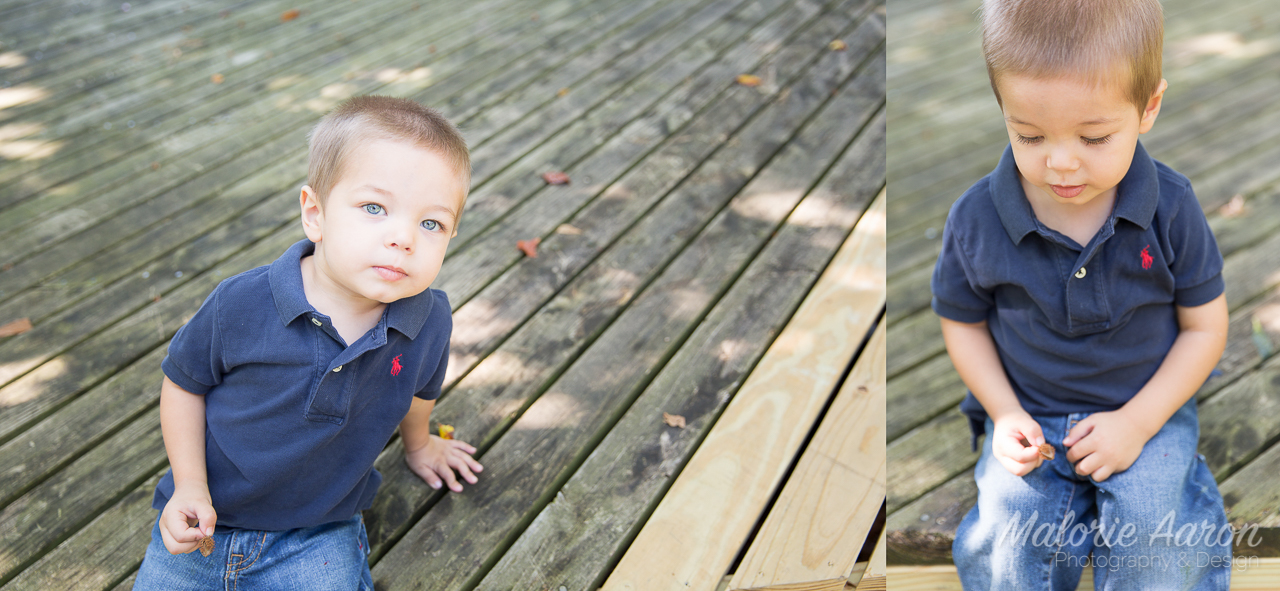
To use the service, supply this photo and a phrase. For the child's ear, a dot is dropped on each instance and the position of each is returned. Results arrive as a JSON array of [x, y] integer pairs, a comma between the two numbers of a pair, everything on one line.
[[312, 214], [1153, 108]]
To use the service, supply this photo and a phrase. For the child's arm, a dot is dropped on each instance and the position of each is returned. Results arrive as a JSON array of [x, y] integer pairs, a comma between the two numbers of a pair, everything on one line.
[[182, 423], [1105, 443], [431, 457], [973, 353]]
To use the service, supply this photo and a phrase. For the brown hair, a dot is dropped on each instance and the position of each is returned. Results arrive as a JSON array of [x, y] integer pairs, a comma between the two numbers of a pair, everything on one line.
[[367, 118], [1086, 38]]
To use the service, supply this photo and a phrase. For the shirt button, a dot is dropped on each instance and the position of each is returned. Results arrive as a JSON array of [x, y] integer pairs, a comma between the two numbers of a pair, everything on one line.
[[337, 369], [316, 321], [1080, 273]]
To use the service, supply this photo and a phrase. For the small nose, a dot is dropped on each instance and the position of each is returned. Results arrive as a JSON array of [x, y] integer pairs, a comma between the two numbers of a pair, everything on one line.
[[1061, 158], [399, 238]]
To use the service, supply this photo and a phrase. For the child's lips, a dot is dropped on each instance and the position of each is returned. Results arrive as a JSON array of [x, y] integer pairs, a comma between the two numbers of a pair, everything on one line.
[[1067, 191], [391, 273]]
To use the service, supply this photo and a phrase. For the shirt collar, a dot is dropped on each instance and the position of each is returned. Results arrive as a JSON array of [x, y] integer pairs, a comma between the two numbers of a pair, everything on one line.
[[406, 315], [1137, 194]]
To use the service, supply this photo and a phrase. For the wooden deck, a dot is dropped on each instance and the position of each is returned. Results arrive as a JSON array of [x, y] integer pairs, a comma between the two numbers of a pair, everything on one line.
[[1218, 125], [152, 148]]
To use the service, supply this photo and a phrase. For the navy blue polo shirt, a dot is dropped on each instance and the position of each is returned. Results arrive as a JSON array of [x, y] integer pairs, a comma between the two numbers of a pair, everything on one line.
[[1079, 328], [294, 416]]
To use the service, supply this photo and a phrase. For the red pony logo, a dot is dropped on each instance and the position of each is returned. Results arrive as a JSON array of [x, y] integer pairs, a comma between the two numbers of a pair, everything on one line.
[[1146, 257], [395, 366]]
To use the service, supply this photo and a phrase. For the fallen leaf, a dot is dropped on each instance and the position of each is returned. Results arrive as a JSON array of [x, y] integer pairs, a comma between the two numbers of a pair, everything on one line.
[[206, 546], [529, 247], [1046, 451], [446, 431], [567, 229], [290, 15], [16, 327], [6, 266], [837, 45], [562, 92], [555, 177], [216, 78], [155, 166], [1233, 208], [749, 80], [673, 420]]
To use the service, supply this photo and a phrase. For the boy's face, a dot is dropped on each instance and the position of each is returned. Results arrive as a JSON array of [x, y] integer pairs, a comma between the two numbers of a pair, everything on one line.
[[382, 233], [1072, 141]]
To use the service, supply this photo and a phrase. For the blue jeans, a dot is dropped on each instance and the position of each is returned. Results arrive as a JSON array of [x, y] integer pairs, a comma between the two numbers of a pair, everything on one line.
[[330, 556], [1158, 525]]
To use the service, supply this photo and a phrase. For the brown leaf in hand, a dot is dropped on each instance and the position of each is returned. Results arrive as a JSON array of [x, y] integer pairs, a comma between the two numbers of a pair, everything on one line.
[[446, 431], [1046, 451], [750, 80], [216, 78], [555, 177], [837, 45], [206, 546], [16, 327], [673, 420], [529, 247], [290, 15]]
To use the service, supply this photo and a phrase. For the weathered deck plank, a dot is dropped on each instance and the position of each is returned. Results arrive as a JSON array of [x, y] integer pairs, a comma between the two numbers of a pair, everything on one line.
[[663, 248]]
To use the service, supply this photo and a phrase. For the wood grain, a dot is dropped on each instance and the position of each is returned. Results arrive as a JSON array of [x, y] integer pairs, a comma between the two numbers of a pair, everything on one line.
[[820, 521], [705, 517]]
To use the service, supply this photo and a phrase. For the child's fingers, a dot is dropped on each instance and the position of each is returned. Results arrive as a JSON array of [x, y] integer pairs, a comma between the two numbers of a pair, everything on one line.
[[171, 543], [450, 480], [462, 445], [1078, 432], [460, 464], [207, 517], [1015, 467]]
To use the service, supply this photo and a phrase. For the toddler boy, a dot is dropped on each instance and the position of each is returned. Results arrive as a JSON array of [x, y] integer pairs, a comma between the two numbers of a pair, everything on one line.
[[1081, 298], [282, 390]]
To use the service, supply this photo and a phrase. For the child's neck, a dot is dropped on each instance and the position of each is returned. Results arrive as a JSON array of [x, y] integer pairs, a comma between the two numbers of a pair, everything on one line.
[[351, 314], [1079, 223]]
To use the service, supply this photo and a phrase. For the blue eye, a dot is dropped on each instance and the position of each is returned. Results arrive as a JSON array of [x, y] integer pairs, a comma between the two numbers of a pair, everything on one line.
[[430, 225], [373, 208]]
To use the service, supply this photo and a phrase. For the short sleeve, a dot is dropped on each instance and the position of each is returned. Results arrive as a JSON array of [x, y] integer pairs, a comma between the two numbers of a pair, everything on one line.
[[432, 390], [195, 361], [955, 295], [1197, 264]]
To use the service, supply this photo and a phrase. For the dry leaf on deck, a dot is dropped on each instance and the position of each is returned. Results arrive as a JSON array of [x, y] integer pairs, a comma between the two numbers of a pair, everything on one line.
[[562, 92], [673, 420], [555, 177], [1233, 208], [446, 431], [838, 45], [216, 78], [206, 546], [567, 229], [16, 327], [290, 15], [529, 247], [1046, 451], [750, 80]]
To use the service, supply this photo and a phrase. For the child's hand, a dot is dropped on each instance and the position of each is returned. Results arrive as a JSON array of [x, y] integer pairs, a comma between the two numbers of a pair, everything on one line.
[[1104, 443], [439, 458], [1008, 435], [187, 518]]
